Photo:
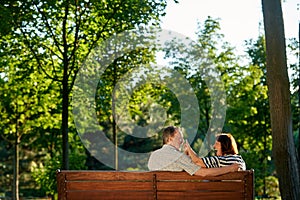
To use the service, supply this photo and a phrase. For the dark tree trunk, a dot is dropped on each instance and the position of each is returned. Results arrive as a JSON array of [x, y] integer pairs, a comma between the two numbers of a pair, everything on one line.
[[299, 97], [65, 116], [284, 150], [65, 92]]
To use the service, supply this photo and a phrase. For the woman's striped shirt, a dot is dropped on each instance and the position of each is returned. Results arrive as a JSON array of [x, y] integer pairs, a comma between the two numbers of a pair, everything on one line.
[[221, 161]]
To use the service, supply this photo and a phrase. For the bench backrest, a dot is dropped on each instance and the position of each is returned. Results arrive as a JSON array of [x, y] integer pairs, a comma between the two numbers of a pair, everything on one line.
[[153, 185]]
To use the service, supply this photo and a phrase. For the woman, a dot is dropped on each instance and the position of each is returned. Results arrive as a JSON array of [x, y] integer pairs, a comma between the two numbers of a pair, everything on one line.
[[227, 153]]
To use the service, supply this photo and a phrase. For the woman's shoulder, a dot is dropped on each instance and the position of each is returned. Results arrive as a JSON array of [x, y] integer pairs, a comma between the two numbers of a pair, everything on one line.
[[232, 156]]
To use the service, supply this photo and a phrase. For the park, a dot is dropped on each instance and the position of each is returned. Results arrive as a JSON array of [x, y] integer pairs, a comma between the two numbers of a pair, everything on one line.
[[84, 95]]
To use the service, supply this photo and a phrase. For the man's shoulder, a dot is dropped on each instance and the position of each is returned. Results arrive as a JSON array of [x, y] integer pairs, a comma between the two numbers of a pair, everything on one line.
[[156, 151]]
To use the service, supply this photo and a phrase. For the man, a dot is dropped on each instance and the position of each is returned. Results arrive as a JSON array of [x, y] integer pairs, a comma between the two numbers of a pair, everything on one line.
[[169, 157]]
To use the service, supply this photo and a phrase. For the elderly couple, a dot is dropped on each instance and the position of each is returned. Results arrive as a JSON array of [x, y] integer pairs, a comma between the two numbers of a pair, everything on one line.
[[170, 158]]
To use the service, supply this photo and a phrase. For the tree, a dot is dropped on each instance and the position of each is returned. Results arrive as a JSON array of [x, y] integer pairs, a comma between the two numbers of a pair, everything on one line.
[[294, 66], [248, 118], [27, 103], [203, 63], [60, 34], [285, 156], [106, 102], [247, 114]]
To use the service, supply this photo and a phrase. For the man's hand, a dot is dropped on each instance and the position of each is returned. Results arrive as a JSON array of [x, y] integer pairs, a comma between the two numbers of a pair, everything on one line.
[[235, 167], [187, 149]]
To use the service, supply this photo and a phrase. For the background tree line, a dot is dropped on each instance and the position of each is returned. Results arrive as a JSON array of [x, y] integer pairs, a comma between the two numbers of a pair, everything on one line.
[[44, 43]]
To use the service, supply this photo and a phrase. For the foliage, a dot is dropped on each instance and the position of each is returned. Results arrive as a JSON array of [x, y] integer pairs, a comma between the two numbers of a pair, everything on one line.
[[249, 111], [63, 43], [134, 107], [44, 43], [247, 115], [28, 106], [202, 63], [293, 52], [44, 173]]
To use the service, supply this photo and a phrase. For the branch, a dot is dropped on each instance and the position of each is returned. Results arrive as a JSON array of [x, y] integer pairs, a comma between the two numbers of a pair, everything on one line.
[[75, 46], [27, 43], [49, 28], [98, 36]]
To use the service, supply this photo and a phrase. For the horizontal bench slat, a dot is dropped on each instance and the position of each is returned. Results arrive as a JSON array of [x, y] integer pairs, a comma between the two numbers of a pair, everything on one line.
[[211, 186], [240, 175], [102, 185], [95, 175], [200, 195], [108, 195]]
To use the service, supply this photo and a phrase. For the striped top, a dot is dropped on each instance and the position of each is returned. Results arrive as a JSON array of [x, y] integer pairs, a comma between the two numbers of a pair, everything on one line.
[[222, 161]]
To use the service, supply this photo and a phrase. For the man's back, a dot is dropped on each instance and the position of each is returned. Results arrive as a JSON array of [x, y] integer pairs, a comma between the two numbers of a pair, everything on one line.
[[168, 158]]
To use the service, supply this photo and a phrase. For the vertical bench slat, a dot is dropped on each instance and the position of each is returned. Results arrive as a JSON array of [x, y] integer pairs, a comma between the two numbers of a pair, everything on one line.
[[154, 187], [249, 185], [61, 185]]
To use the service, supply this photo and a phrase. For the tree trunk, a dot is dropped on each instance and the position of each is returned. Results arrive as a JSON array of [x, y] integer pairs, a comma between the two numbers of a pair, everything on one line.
[[299, 96], [65, 115], [114, 125], [16, 169], [65, 92], [284, 150]]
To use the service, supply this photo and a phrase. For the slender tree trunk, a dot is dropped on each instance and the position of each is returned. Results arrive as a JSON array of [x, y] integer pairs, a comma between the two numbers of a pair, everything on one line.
[[65, 116], [16, 169], [299, 96], [114, 125], [284, 150], [115, 138], [65, 92]]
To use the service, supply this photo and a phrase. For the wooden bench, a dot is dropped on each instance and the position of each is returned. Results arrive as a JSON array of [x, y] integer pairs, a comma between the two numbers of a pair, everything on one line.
[[153, 185]]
